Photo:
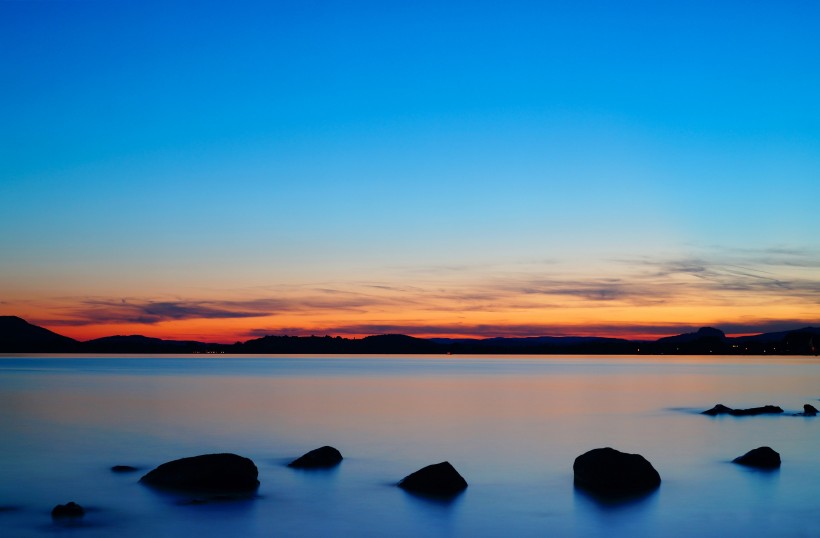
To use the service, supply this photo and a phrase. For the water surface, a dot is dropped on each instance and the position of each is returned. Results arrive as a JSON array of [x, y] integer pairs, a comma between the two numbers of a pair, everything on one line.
[[512, 427]]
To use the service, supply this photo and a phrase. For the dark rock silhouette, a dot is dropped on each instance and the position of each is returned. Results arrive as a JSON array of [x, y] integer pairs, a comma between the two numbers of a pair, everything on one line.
[[123, 469], [763, 458], [68, 510], [808, 411], [611, 473], [209, 472], [721, 409], [320, 458], [440, 479]]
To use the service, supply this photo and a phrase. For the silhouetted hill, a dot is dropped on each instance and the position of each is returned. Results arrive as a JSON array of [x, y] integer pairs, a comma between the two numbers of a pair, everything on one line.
[[539, 345], [704, 341], [142, 344], [805, 341], [384, 343], [293, 344], [19, 336], [704, 333]]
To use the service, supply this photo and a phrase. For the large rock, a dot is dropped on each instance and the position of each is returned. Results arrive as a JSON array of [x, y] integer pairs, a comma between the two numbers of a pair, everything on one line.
[[809, 410], [210, 472], [609, 472], [69, 510], [762, 458], [721, 409], [440, 479], [321, 458]]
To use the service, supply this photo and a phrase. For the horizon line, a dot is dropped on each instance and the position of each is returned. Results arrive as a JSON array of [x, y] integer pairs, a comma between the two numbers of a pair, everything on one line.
[[610, 332]]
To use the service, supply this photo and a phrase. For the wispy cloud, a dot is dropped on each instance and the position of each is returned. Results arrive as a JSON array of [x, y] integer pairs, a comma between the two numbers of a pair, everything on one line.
[[103, 311], [449, 302]]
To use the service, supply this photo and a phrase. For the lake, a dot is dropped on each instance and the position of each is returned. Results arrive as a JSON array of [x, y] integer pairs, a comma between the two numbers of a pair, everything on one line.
[[512, 426]]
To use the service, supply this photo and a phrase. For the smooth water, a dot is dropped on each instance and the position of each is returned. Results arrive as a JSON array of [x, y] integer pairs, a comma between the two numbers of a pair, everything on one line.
[[511, 426]]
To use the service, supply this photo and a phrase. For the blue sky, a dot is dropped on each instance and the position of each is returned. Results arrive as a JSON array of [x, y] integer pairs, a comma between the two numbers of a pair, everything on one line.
[[192, 153]]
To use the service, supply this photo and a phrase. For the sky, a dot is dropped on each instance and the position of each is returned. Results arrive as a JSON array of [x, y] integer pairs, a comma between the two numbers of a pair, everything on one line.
[[221, 171]]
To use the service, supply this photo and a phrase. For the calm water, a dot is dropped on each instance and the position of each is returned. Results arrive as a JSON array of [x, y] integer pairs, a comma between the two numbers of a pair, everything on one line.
[[511, 426]]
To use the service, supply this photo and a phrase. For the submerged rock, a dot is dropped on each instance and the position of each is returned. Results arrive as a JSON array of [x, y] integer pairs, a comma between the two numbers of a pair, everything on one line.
[[721, 409], [68, 510], [440, 479], [609, 472], [762, 458], [320, 458], [123, 469], [209, 472]]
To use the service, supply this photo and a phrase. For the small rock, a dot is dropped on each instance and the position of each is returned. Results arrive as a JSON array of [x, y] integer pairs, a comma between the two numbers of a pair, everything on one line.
[[762, 458], [209, 472], [68, 510], [123, 469], [440, 479], [765, 410], [321, 458], [610, 472], [809, 410], [721, 409]]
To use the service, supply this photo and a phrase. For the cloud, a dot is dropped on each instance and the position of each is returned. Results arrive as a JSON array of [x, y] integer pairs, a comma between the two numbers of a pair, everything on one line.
[[102, 311], [722, 277], [399, 303], [92, 311]]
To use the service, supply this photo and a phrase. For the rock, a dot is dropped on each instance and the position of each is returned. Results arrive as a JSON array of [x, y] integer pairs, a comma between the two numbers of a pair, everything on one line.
[[440, 479], [123, 469], [209, 472], [765, 410], [68, 510], [321, 458], [809, 410], [721, 409], [609, 472], [762, 458]]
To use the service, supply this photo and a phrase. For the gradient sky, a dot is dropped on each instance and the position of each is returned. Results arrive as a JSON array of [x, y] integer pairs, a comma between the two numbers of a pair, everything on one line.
[[221, 170]]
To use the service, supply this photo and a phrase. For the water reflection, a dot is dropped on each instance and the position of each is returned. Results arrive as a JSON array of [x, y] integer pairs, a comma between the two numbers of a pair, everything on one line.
[[634, 516], [613, 502], [429, 499]]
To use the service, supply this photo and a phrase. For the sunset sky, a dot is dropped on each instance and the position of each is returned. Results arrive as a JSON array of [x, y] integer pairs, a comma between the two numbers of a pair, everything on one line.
[[221, 171]]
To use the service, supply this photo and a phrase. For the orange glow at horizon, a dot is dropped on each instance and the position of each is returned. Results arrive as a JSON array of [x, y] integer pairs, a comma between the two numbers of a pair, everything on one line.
[[480, 325], [628, 302]]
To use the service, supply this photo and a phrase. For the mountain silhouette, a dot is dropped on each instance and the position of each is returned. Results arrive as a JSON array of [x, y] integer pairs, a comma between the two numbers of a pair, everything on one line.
[[142, 344], [19, 336]]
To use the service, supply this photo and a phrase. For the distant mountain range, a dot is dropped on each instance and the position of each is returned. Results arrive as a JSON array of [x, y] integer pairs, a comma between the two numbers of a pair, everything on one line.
[[19, 336]]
